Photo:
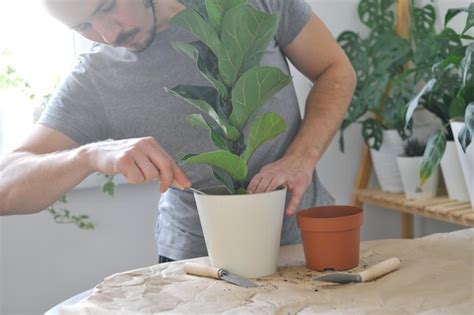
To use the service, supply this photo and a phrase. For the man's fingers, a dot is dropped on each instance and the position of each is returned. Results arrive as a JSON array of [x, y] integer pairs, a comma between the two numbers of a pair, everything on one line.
[[277, 182], [148, 169], [133, 174], [180, 177], [296, 195]]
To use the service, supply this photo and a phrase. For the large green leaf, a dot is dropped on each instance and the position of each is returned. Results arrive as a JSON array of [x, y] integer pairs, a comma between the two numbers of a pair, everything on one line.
[[252, 90], [195, 23], [234, 165], [224, 177], [198, 121], [217, 8], [202, 97], [466, 63], [433, 153], [470, 19], [467, 132], [389, 50], [245, 34], [205, 61], [424, 20], [263, 129], [457, 106], [197, 6], [413, 104], [376, 14]]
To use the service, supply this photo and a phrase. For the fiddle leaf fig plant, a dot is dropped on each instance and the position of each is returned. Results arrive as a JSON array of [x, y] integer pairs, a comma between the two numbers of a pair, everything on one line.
[[443, 62], [379, 59], [232, 37]]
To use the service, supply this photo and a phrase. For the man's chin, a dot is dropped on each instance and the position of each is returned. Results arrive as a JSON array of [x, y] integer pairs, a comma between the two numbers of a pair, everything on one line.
[[139, 47]]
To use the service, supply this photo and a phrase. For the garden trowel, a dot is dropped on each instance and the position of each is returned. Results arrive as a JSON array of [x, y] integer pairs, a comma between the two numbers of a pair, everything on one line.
[[369, 274], [217, 273]]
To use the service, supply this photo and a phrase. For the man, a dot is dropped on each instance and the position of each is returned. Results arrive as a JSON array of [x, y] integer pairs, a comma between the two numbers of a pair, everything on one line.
[[117, 92]]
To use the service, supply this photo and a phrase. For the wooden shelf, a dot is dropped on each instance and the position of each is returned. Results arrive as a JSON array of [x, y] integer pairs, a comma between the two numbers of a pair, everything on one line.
[[438, 208]]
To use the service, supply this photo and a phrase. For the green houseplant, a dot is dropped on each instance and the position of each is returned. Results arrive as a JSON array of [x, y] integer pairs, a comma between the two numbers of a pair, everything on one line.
[[409, 164], [229, 58], [463, 131], [443, 61], [379, 60]]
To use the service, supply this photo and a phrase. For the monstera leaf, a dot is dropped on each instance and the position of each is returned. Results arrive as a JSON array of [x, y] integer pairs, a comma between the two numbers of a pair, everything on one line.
[[252, 90], [245, 33], [265, 128], [375, 14]]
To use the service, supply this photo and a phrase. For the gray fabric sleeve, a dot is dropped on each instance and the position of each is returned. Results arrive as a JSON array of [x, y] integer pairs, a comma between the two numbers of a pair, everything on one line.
[[75, 109], [294, 14]]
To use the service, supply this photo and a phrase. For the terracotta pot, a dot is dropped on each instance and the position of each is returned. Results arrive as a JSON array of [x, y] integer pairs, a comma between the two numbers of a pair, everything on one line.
[[331, 236]]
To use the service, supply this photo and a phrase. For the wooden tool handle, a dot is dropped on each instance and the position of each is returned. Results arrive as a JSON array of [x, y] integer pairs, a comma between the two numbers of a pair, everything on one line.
[[201, 270], [379, 269], [177, 185]]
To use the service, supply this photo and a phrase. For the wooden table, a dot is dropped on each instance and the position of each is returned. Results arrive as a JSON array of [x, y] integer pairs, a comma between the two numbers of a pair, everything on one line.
[[436, 276]]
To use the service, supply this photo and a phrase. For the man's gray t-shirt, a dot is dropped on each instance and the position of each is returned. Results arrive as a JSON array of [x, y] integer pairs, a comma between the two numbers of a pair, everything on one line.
[[116, 94]]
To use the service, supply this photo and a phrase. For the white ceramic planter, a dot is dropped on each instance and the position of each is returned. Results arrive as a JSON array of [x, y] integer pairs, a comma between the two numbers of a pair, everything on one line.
[[466, 159], [385, 162], [242, 232], [410, 174], [452, 173]]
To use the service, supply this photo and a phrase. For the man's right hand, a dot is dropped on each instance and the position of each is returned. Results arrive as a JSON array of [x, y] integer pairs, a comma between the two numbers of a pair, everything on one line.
[[48, 164], [140, 160]]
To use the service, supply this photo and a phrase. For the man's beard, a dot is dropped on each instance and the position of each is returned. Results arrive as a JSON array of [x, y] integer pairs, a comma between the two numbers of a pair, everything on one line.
[[122, 38]]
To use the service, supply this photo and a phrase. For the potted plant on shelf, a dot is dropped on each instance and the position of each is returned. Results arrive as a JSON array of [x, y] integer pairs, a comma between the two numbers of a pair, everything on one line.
[[409, 165], [463, 132], [236, 225], [379, 99], [443, 61]]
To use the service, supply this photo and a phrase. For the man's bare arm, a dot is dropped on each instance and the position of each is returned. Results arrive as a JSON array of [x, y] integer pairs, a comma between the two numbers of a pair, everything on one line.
[[49, 164], [318, 56]]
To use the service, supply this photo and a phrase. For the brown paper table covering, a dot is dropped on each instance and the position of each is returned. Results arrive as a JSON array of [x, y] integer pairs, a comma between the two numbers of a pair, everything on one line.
[[436, 277]]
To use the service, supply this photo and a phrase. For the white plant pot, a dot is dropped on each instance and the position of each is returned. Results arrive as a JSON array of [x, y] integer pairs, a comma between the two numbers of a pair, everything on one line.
[[410, 174], [385, 162], [466, 159], [242, 232], [452, 173]]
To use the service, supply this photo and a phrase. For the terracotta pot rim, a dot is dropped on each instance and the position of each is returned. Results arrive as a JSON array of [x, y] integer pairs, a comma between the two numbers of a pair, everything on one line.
[[330, 224]]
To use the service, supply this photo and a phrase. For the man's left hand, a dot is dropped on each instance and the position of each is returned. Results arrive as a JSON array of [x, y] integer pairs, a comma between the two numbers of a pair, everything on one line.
[[290, 171]]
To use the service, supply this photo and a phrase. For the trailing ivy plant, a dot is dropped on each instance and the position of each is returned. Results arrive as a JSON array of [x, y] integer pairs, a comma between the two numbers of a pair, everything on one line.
[[379, 59], [443, 61], [232, 37]]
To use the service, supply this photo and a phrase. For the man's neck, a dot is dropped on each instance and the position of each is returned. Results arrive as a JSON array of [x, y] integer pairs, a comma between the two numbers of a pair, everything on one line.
[[164, 11]]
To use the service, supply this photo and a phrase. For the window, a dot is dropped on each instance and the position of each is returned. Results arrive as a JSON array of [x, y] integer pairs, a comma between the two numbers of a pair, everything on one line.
[[35, 52]]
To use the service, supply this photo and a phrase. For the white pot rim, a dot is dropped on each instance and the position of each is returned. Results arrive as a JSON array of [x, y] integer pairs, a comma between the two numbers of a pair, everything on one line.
[[229, 196]]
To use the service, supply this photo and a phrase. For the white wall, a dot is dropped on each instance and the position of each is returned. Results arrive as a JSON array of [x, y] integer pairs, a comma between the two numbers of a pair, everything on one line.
[[43, 263]]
